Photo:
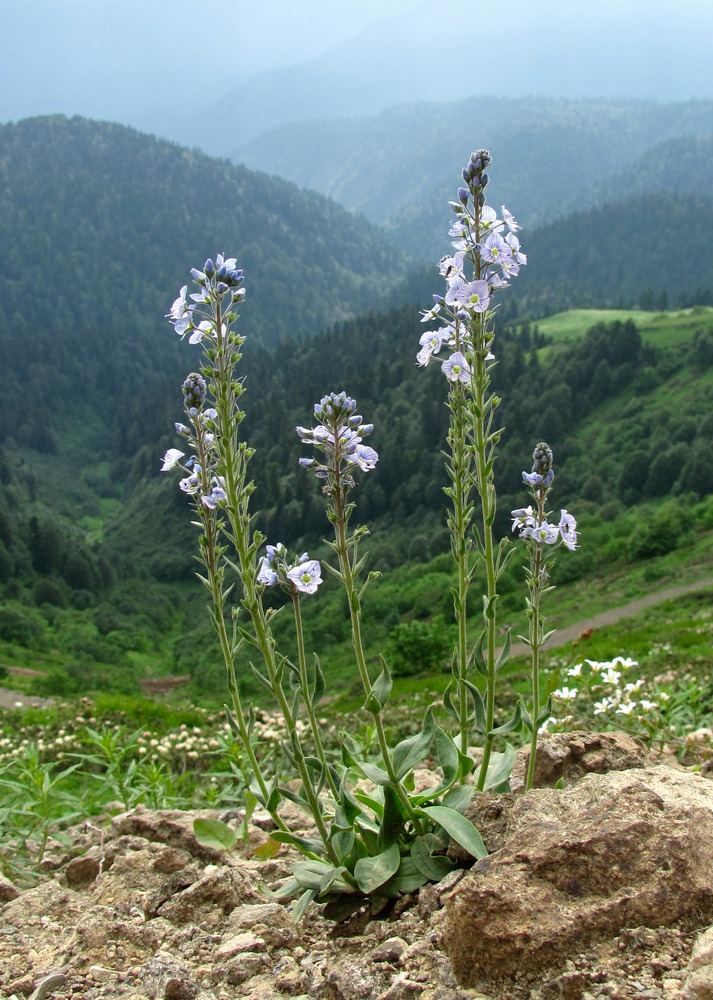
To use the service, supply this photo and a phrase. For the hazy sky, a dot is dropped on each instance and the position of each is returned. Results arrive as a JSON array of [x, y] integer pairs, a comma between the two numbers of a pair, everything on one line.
[[126, 59], [94, 56]]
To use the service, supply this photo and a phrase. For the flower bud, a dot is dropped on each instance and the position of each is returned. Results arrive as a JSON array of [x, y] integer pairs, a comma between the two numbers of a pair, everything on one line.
[[209, 268], [194, 391], [542, 458], [463, 195]]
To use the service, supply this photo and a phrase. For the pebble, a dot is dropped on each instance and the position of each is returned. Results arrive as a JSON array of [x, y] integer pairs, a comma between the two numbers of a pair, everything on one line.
[[46, 986]]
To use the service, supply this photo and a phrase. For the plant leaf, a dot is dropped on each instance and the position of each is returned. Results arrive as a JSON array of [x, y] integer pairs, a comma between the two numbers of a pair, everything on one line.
[[215, 834], [407, 879], [371, 873], [411, 751], [433, 868], [457, 827], [504, 653]]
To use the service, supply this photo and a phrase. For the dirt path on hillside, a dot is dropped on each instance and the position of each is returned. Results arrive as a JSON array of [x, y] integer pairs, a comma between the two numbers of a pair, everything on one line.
[[563, 636]]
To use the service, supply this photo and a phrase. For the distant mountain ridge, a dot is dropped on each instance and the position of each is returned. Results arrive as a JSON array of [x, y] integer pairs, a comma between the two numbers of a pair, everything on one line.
[[551, 157], [100, 225]]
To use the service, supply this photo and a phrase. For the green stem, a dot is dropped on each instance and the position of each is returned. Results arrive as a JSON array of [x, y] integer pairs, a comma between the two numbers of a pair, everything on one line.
[[535, 635], [307, 697], [345, 567], [484, 478], [461, 491], [233, 464]]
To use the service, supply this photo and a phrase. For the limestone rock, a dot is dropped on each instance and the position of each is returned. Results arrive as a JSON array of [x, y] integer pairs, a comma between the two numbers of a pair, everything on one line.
[[625, 849], [7, 890], [699, 984], [167, 826], [570, 756]]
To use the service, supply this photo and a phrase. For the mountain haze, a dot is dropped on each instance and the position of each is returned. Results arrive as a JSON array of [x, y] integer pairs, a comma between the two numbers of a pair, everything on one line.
[[551, 157]]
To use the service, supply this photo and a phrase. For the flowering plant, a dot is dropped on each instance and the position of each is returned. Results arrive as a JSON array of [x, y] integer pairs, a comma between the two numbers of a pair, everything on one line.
[[376, 832]]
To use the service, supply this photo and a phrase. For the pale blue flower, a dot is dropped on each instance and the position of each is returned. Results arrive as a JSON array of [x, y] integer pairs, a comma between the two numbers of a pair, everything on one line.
[[473, 295], [266, 574], [180, 313], [431, 343], [514, 243], [522, 518], [489, 221], [216, 496], [306, 577], [364, 456], [456, 368], [510, 220], [544, 533], [568, 529], [495, 250], [191, 484]]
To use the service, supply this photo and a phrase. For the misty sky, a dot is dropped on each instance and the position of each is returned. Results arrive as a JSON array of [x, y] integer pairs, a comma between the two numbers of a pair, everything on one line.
[[126, 60]]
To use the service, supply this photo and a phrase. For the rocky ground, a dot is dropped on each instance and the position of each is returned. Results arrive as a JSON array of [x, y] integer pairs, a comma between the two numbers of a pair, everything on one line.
[[602, 890]]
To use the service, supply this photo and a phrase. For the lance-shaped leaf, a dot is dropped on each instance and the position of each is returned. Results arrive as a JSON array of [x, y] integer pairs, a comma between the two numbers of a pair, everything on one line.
[[410, 752], [478, 707], [525, 715], [371, 873], [381, 689], [477, 655], [457, 827], [546, 712], [351, 751], [459, 797], [374, 773], [261, 677], [407, 879], [392, 821], [514, 723], [302, 903], [318, 687], [305, 844], [448, 704]]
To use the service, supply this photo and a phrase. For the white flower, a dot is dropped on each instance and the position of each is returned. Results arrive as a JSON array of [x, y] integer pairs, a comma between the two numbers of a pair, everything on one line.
[[600, 707], [610, 676], [565, 694], [171, 458]]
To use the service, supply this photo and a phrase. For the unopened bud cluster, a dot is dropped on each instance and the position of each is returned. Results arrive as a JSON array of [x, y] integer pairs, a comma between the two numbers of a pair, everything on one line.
[[338, 435], [532, 522]]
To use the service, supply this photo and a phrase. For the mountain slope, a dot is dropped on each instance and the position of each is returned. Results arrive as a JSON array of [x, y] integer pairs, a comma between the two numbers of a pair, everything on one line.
[[100, 225], [550, 156]]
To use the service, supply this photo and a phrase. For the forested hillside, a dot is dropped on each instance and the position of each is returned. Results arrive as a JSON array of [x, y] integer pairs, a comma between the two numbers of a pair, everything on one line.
[[552, 157], [100, 226], [549, 393]]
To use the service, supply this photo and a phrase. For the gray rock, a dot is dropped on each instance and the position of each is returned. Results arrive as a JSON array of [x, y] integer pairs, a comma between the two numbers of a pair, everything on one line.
[[569, 756], [625, 849], [7, 890]]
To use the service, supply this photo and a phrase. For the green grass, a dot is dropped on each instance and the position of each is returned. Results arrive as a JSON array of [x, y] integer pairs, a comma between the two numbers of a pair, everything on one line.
[[662, 329]]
